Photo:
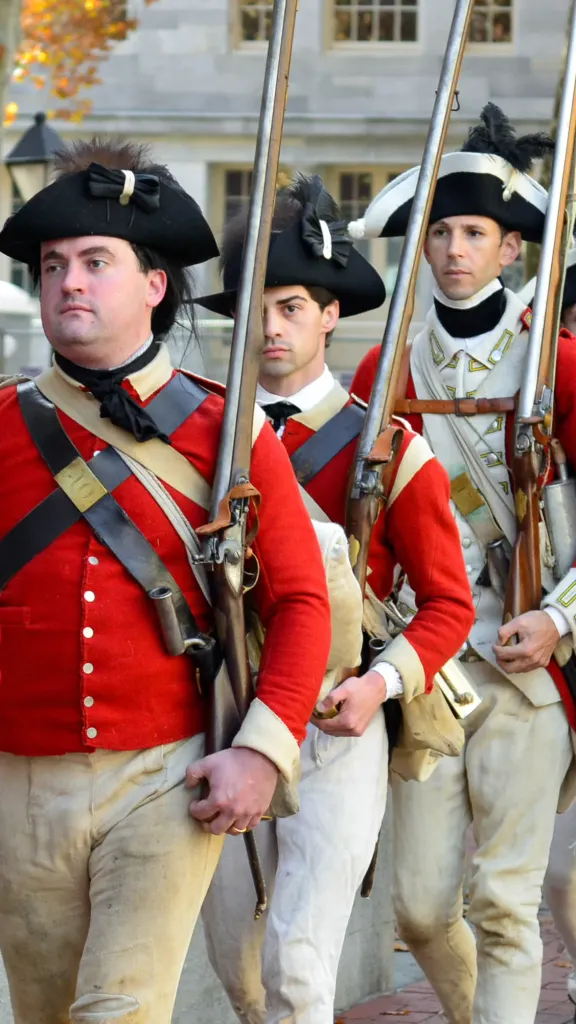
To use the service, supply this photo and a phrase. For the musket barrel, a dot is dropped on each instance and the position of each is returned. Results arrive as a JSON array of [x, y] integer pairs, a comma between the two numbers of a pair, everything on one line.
[[402, 302], [248, 333], [552, 269]]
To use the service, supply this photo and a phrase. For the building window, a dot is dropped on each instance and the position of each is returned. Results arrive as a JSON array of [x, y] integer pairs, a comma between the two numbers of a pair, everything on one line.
[[379, 21], [492, 22], [237, 185], [355, 190], [255, 19]]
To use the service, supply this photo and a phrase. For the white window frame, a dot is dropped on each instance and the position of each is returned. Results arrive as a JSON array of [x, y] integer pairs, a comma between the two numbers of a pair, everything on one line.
[[492, 49], [245, 44], [375, 47]]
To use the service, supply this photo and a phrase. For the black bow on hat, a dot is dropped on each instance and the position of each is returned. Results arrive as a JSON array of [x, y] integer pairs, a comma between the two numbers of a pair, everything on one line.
[[125, 186], [339, 243]]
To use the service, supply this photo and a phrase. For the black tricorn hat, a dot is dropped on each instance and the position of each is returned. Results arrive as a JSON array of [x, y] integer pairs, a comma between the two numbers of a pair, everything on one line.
[[143, 208], [313, 251], [488, 177]]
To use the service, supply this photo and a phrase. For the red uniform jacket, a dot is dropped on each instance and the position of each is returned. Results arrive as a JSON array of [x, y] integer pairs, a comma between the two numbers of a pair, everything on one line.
[[418, 533], [564, 429], [82, 659]]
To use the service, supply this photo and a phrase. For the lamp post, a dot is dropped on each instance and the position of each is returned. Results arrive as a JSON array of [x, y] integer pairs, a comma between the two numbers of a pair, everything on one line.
[[30, 162]]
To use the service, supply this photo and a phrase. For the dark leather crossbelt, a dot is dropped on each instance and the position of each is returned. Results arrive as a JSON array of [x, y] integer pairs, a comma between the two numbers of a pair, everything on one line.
[[312, 456], [56, 513], [83, 493], [453, 406]]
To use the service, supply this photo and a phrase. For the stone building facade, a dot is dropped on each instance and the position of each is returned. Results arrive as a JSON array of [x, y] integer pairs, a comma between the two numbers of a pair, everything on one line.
[[362, 87]]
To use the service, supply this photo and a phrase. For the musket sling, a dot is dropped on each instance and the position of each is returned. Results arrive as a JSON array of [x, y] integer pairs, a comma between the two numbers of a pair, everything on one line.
[[56, 514], [332, 437], [84, 494]]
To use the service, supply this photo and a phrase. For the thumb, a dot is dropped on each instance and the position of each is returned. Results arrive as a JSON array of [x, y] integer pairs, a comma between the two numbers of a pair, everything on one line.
[[332, 699], [507, 631], [197, 771]]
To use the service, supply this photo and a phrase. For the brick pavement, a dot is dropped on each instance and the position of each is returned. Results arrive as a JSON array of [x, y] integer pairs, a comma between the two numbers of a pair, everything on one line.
[[417, 1003]]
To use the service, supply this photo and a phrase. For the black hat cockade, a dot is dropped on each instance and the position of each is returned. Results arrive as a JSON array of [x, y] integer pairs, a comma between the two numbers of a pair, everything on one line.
[[149, 209], [314, 251], [488, 177]]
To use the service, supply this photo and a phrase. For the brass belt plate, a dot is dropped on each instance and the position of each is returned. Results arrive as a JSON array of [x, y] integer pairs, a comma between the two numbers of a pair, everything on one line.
[[465, 496], [80, 484]]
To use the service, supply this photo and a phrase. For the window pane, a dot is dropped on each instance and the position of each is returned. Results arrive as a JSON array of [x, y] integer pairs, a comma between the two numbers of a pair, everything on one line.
[[479, 28], [267, 25], [408, 26], [365, 26], [386, 33], [364, 188], [233, 183], [249, 25], [343, 26], [346, 187], [502, 29]]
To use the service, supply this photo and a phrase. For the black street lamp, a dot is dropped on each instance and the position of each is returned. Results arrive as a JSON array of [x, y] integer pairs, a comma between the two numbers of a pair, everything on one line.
[[31, 160]]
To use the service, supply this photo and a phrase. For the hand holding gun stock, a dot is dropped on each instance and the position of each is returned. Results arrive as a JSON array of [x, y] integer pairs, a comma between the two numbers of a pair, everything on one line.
[[225, 536], [535, 407], [379, 438]]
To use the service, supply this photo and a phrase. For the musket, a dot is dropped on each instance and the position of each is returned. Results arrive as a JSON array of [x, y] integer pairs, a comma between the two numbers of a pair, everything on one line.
[[534, 416], [225, 536], [379, 438]]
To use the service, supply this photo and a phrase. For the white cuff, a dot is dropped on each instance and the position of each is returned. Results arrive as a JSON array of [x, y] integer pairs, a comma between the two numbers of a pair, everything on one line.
[[392, 678], [559, 619]]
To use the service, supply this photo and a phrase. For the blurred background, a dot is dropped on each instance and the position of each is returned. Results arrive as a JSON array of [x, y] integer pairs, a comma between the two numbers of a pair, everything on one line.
[[186, 77]]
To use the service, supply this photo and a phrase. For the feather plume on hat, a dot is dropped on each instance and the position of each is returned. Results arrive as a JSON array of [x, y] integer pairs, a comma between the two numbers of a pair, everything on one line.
[[496, 135]]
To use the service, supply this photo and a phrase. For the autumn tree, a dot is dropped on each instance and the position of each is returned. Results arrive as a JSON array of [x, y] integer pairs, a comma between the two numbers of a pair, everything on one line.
[[59, 44]]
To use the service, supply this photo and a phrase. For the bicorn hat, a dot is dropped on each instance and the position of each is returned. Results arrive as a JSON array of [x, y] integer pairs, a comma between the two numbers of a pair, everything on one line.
[[143, 205], [313, 251], [488, 177]]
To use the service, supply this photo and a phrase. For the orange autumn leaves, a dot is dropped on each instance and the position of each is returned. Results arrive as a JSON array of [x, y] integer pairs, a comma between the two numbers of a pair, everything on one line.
[[62, 44]]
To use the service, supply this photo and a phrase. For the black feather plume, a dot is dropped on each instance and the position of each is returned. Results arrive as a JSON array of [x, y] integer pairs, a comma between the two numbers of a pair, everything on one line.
[[309, 189], [497, 136]]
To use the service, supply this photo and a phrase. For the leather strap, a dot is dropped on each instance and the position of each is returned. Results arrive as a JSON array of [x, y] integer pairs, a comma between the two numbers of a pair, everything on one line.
[[53, 516], [454, 407], [112, 526], [312, 456]]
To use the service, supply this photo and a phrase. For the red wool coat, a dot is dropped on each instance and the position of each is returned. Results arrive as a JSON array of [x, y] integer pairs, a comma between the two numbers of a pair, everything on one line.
[[81, 656], [418, 532], [564, 429]]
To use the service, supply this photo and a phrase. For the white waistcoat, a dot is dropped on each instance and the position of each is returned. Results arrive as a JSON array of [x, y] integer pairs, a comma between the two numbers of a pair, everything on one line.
[[488, 366]]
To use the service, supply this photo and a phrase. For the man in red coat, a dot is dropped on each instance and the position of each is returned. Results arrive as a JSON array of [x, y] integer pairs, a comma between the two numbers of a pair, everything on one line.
[[512, 774], [285, 967], [102, 867]]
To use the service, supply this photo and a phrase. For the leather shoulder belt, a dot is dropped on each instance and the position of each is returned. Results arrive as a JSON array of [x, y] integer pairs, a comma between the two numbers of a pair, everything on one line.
[[312, 456], [92, 500], [454, 406], [57, 513]]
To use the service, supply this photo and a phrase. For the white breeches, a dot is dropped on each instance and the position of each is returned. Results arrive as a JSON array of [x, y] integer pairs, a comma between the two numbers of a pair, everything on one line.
[[560, 885], [283, 968], [506, 783], [102, 874]]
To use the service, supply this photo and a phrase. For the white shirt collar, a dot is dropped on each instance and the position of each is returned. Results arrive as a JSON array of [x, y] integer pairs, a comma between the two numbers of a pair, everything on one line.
[[307, 398], [493, 286]]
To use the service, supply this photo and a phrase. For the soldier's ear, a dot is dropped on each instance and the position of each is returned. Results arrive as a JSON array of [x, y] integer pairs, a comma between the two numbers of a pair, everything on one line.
[[330, 316], [510, 247]]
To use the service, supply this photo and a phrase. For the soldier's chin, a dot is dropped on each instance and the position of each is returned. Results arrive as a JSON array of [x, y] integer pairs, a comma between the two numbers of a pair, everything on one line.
[[459, 287]]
